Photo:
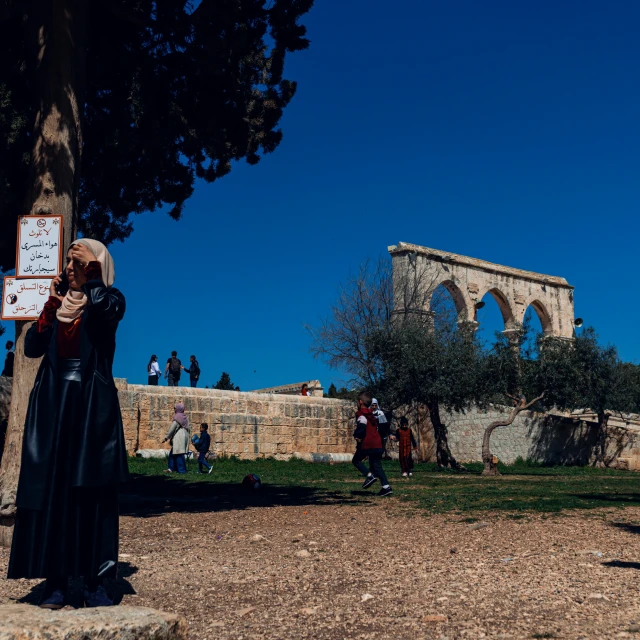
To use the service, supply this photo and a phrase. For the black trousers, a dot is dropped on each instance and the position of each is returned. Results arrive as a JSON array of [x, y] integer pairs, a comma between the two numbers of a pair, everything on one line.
[[153, 381], [375, 464]]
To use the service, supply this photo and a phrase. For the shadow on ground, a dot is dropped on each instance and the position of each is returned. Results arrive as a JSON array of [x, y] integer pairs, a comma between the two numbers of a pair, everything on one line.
[[148, 496], [75, 598], [621, 564], [627, 499], [626, 526]]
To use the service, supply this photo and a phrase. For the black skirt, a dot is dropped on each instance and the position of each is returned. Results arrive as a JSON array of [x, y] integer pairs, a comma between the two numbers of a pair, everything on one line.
[[76, 531]]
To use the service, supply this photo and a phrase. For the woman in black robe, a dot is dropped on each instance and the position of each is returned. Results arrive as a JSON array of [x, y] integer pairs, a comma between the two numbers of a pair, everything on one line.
[[73, 452]]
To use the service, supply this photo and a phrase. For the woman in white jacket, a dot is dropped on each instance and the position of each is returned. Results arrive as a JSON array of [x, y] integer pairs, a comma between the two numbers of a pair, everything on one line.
[[153, 371], [178, 436]]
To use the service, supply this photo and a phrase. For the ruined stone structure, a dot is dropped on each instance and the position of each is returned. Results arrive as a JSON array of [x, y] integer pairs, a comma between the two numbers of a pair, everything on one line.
[[469, 279]]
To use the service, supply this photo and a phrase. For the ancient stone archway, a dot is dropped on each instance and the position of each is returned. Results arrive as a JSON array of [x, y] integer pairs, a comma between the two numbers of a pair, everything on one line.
[[469, 279]]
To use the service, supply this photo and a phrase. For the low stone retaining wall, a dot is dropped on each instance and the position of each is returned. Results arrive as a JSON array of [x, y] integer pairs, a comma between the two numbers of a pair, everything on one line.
[[244, 424], [251, 425]]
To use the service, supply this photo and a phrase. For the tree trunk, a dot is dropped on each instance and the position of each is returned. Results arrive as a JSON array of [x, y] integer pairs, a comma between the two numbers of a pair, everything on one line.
[[444, 457], [56, 32], [600, 459], [491, 467]]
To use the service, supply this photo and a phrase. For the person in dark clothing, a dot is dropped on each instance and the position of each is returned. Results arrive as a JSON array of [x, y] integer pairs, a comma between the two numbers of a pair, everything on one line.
[[193, 371], [8, 362], [4, 425], [73, 452], [369, 445], [202, 445], [173, 369], [406, 442]]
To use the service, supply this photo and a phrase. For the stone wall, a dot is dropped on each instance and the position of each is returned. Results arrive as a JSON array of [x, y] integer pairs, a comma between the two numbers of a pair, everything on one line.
[[244, 424], [251, 425], [541, 437]]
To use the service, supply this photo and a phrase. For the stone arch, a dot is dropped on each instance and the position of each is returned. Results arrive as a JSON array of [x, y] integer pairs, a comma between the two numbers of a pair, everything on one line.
[[462, 308], [504, 305], [543, 315]]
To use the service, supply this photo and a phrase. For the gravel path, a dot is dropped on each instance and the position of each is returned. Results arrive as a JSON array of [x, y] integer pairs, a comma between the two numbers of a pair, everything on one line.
[[381, 571]]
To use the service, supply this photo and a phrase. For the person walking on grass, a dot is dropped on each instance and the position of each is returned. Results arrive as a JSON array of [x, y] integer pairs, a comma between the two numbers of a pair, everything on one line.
[[202, 445], [193, 371], [383, 426], [178, 437], [173, 369], [406, 442], [369, 445], [153, 371]]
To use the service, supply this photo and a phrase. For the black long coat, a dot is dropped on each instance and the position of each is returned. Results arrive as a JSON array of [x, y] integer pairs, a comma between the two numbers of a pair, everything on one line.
[[101, 458]]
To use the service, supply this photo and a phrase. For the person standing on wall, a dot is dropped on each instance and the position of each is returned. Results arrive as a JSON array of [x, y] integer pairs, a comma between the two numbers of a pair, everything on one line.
[[178, 437], [305, 390], [8, 361], [173, 369], [193, 371], [73, 452], [153, 371]]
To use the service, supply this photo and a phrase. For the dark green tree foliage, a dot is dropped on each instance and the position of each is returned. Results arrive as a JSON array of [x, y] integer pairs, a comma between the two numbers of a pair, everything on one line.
[[582, 374], [333, 391], [172, 94], [436, 366], [225, 383]]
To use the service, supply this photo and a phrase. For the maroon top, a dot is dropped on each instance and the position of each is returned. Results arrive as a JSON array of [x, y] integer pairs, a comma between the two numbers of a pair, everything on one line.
[[68, 332], [372, 439]]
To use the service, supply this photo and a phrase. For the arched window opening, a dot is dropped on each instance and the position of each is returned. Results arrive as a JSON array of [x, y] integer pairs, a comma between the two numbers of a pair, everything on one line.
[[448, 305], [492, 317]]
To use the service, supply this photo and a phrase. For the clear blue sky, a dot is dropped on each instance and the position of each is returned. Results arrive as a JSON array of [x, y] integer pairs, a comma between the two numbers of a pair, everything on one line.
[[505, 131]]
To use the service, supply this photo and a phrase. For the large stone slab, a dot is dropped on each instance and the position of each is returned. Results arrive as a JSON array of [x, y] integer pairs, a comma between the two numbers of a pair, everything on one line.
[[27, 622]]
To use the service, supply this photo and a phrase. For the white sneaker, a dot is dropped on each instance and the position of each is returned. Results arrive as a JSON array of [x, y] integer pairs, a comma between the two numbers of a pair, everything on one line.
[[404, 475], [211, 469], [410, 474]]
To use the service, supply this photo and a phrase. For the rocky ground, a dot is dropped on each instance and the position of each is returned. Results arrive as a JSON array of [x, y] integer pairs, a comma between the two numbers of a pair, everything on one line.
[[378, 570]]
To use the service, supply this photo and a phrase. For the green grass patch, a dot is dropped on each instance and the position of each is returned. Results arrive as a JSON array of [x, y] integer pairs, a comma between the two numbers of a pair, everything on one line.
[[523, 487]]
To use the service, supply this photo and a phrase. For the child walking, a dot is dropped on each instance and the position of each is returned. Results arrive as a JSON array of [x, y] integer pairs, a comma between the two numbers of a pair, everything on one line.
[[202, 445], [406, 442]]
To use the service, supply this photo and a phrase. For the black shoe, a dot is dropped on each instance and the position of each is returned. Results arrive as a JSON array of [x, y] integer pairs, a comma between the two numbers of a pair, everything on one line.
[[97, 598], [369, 480], [54, 601], [385, 492]]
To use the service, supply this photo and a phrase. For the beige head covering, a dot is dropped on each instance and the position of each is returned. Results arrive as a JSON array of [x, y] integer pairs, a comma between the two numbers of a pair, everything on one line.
[[74, 302]]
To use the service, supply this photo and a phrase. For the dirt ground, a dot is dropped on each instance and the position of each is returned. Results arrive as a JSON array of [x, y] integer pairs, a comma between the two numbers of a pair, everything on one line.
[[380, 571]]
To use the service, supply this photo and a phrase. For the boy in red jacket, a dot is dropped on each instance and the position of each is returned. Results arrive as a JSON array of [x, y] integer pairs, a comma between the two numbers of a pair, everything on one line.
[[369, 445]]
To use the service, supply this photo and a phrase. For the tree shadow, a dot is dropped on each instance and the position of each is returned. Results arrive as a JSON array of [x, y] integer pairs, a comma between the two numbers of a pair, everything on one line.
[[621, 564], [626, 526], [150, 496], [613, 498]]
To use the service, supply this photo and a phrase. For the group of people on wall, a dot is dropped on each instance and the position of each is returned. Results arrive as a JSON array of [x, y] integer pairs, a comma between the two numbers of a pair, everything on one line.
[[173, 370]]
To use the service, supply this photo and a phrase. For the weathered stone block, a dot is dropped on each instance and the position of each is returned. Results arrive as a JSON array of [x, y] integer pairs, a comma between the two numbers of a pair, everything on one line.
[[25, 622]]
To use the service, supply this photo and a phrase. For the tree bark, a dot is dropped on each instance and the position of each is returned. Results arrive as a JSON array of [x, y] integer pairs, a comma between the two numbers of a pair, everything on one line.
[[491, 468], [444, 457], [56, 46]]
